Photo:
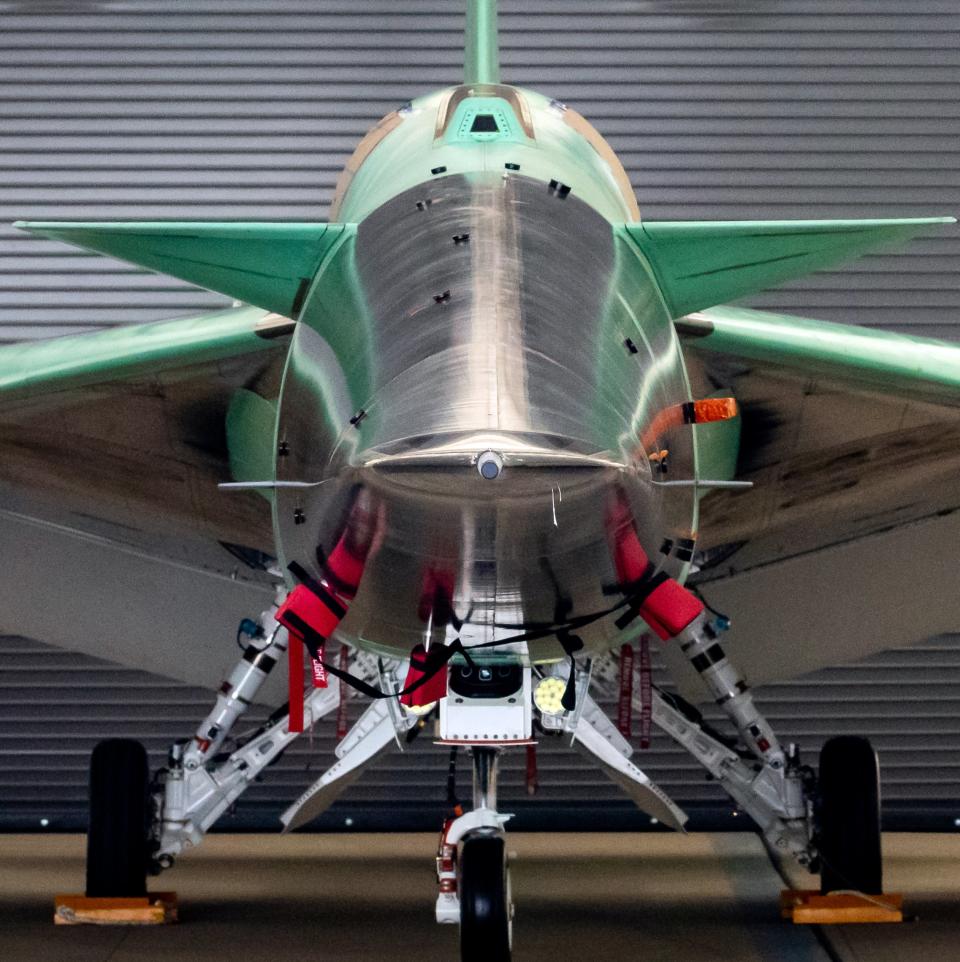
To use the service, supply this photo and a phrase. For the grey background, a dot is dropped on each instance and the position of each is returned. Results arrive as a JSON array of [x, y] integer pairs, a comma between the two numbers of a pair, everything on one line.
[[247, 109]]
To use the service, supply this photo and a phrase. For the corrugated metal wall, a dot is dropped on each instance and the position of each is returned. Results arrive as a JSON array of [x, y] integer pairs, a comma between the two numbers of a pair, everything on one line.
[[55, 706], [247, 109]]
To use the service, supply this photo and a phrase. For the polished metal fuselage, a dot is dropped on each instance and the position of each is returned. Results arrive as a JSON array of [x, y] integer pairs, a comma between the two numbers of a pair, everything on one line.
[[479, 312]]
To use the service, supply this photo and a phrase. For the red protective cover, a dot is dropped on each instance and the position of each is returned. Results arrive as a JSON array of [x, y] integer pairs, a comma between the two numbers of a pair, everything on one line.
[[295, 683], [313, 612], [669, 608], [304, 603], [431, 691]]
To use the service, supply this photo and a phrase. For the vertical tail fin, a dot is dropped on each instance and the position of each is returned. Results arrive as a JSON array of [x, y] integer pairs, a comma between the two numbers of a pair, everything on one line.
[[481, 59]]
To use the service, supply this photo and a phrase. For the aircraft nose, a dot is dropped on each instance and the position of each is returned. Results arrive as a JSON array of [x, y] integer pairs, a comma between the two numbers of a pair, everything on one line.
[[451, 465]]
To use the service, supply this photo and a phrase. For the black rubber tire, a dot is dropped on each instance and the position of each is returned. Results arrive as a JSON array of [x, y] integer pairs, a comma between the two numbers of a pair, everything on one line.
[[485, 910], [849, 817], [117, 853]]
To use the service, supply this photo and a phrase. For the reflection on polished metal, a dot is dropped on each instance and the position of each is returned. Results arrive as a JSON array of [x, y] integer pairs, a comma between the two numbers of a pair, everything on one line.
[[485, 777], [433, 351]]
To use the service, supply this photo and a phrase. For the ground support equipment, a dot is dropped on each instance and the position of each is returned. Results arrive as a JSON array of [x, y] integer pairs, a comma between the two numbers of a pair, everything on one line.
[[160, 908], [809, 907]]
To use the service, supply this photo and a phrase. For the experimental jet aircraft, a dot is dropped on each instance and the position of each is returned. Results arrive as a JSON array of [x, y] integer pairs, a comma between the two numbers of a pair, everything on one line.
[[482, 429]]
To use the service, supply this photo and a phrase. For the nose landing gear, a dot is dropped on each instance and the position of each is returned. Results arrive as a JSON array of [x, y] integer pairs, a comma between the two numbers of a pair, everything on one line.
[[473, 871], [485, 903]]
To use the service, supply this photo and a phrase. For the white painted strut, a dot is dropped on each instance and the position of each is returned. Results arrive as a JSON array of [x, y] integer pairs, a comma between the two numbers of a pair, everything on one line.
[[598, 736], [374, 730], [193, 799]]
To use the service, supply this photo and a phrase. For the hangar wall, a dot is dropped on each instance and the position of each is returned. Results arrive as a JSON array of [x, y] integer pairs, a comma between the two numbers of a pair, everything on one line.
[[247, 109], [56, 705]]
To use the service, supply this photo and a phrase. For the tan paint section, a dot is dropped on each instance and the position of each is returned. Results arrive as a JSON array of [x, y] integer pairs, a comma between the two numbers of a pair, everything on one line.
[[589, 133], [366, 147]]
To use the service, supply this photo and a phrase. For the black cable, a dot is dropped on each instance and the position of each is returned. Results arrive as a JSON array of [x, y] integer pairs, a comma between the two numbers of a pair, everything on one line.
[[442, 654], [452, 778]]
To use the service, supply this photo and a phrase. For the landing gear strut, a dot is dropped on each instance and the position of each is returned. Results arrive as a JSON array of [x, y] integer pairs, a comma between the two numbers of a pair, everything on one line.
[[199, 785], [472, 870]]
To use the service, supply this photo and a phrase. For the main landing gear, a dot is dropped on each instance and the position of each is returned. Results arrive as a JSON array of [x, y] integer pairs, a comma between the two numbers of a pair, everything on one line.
[[848, 817], [135, 828], [831, 823], [117, 855]]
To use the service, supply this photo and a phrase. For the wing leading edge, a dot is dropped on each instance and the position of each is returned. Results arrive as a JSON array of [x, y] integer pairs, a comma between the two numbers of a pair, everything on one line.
[[897, 365], [35, 368], [851, 437], [270, 265], [702, 264]]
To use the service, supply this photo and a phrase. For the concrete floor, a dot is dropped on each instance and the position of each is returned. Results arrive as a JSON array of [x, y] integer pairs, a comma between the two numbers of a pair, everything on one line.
[[656, 897]]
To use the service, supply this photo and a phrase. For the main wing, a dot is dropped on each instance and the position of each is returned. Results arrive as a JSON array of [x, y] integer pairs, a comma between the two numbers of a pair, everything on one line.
[[122, 434], [112, 446], [127, 432], [851, 437]]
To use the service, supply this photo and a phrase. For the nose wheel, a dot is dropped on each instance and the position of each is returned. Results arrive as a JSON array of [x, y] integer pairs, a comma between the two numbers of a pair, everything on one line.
[[472, 871], [849, 817], [486, 909]]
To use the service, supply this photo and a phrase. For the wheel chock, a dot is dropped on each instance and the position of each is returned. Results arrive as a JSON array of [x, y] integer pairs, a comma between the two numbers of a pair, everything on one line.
[[159, 908], [809, 907]]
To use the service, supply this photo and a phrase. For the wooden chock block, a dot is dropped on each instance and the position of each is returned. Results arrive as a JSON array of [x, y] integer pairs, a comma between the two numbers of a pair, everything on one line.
[[158, 908], [809, 907]]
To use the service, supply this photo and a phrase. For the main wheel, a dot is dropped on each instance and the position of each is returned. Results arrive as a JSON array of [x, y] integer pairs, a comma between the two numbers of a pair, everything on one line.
[[849, 817], [119, 820], [485, 905]]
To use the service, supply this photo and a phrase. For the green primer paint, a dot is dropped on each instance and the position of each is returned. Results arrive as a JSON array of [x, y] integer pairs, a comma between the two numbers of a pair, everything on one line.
[[269, 265], [481, 57], [250, 438], [701, 264], [475, 116], [896, 364], [35, 368], [718, 445]]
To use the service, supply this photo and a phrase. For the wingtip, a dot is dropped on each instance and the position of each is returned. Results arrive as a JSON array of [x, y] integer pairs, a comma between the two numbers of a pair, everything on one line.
[[37, 226]]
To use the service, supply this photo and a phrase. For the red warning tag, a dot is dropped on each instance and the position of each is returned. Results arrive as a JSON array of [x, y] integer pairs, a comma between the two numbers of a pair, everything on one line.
[[319, 672], [533, 779], [625, 702], [646, 691], [295, 680]]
